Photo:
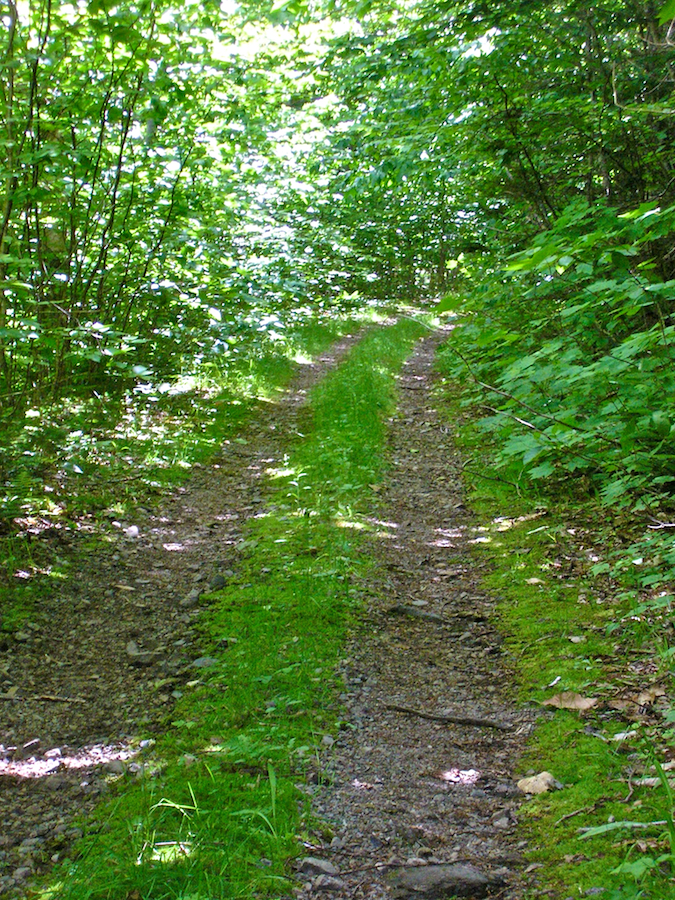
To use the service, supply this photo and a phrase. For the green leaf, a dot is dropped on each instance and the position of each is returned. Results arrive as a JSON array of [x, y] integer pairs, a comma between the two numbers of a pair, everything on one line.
[[449, 303], [543, 470], [637, 868], [667, 12]]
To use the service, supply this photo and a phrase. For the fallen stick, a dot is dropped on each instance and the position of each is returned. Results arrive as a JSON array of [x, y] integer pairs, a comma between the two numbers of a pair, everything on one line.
[[477, 721], [49, 698], [471, 617], [584, 809], [416, 613]]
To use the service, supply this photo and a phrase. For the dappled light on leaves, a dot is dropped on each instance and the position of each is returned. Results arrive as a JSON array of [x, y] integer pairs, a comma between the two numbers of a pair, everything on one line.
[[390, 526], [447, 537], [352, 524], [166, 852]]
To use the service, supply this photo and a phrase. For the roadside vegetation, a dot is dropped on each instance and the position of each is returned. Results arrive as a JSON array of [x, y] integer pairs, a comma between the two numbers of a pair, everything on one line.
[[74, 467], [589, 640]]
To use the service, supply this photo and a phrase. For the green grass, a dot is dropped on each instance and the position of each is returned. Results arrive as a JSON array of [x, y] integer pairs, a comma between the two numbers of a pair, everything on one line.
[[559, 625], [223, 813]]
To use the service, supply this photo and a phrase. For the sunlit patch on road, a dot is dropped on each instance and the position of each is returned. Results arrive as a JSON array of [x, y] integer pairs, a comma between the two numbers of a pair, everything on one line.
[[461, 776], [54, 760]]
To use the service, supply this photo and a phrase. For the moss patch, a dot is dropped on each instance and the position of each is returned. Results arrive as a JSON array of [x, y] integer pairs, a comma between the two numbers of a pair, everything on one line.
[[560, 628]]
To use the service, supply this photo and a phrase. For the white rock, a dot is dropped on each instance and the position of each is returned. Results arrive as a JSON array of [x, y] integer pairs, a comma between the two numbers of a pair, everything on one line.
[[538, 784]]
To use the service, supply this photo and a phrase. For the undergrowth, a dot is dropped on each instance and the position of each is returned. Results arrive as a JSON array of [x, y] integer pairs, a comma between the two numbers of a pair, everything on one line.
[[71, 473], [563, 356], [221, 804]]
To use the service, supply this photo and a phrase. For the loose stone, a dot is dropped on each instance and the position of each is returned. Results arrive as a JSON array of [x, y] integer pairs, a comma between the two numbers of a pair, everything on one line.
[[312, 865], [440, 882], [204, 662]]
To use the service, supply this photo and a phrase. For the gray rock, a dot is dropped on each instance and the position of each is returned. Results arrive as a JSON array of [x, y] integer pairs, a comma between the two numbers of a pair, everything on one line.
[[55, 783], [312, 865], [204, 662], [115, 767], [505, 790], [441, 881], [138, 657], [328, 883], [22, 873], [30, 846], [218, 581], [144, 658], [192, 599]]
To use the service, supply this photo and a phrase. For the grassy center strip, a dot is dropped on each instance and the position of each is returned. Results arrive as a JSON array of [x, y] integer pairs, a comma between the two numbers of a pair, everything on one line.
[[217, 809]]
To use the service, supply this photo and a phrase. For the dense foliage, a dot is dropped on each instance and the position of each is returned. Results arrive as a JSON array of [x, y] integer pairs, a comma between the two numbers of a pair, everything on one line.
[[184, 187], [143, 149], [517, 159], [175, 182]]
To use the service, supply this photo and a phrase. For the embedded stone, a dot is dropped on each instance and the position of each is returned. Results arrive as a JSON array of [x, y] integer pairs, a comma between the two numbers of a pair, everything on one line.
[[438, 882], [312, 865]]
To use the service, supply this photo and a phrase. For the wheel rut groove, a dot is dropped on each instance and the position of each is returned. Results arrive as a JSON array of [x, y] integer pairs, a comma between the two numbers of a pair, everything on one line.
[[417, 807], [115, 641]]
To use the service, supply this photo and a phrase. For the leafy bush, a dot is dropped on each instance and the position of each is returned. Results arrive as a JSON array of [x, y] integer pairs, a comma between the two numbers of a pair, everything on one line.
[[571, 349]]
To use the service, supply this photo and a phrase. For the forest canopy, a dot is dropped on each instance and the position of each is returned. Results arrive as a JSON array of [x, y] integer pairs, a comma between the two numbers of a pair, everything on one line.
[[178, 182]]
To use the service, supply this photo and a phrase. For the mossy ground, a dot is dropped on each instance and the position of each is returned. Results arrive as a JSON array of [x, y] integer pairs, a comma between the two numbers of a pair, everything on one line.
[[559, 623]]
